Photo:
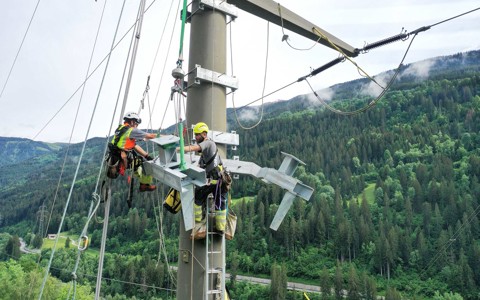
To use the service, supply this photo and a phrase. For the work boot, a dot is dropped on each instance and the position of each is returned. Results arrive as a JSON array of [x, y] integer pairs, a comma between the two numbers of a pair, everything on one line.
[[147, 187], [200, 230]]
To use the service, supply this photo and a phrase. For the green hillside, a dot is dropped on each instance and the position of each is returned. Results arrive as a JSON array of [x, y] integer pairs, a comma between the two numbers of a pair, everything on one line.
[[394, 213]]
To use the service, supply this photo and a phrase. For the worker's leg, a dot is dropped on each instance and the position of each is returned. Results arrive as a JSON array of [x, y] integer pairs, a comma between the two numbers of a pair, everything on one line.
[[201, 194], [220, 209], [145, 180]]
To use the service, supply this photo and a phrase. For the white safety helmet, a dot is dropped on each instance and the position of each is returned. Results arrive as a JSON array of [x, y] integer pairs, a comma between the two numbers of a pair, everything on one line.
[[132, 116]]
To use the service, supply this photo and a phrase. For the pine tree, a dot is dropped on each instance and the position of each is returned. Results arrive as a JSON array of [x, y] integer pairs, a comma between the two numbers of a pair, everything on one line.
[[278, 287], [338, 283], [353, 284], [325, 282], [12, 248], [37, 241]]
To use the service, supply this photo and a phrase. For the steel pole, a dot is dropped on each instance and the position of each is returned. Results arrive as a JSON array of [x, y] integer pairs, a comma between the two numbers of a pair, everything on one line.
[[206, 102]]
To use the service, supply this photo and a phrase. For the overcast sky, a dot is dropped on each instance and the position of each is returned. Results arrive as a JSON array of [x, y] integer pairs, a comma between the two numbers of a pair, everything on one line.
[[53, 61]]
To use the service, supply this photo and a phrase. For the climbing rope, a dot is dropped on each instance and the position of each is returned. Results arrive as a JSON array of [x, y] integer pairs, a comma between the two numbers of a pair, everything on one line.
[[163, 69], [138, 30], [263, 90], [140, 14], [285, 36]]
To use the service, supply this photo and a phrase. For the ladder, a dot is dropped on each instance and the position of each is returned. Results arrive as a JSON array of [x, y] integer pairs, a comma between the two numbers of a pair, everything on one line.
[[215, 276]]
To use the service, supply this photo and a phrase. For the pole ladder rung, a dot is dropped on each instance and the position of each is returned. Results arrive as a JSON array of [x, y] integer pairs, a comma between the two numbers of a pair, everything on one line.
[[215, 271], [214, 232]]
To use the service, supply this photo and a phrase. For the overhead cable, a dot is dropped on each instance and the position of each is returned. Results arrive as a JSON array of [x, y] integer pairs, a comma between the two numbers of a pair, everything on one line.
[[374, 101], [382, 42], [77, 169], [96, 197], [19, 48], [107, 56], [76, 115]]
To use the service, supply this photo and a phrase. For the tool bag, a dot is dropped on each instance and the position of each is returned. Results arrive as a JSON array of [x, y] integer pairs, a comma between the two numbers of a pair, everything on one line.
[[172, 202], [226, 180], [113, 159], [231, 225]]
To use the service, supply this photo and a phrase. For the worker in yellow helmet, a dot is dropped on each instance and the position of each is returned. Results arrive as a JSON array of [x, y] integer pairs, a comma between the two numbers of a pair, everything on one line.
[[212, 163]]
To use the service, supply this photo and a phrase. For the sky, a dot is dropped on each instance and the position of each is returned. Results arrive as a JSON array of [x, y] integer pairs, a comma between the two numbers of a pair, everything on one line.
[[43, 98]]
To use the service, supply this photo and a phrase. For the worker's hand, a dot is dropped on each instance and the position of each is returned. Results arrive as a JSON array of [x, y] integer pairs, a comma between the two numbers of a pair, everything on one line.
[[148, 157], [150, 136]]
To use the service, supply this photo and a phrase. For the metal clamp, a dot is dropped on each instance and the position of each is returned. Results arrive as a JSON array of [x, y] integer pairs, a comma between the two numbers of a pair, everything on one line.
[[204, 75], [229, 9]]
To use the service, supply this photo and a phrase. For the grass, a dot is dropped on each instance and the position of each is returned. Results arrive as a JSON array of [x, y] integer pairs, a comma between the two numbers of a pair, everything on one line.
[[369, 194], [238, 200], [48, 243]]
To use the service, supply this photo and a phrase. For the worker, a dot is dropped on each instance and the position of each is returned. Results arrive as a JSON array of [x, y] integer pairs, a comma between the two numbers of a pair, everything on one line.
[[212, 163], [124, 143]]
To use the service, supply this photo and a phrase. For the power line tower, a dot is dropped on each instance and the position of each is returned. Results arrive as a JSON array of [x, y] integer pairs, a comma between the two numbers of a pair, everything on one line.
[[41, 220], [206, 102]]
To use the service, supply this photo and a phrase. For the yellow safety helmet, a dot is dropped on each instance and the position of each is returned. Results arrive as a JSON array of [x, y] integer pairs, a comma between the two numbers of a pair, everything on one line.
[[200, 127]]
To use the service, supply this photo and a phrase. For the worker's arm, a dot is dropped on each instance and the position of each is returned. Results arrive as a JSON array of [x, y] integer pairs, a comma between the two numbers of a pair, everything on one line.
[[190, 148], [140, 151], [150, 136]]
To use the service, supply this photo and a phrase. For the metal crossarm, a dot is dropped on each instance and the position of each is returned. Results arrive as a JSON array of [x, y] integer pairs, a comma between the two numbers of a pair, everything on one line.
[[165, 169]]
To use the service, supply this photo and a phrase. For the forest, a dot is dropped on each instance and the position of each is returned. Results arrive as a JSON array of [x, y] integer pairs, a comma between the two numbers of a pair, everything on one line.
[[394, 213]]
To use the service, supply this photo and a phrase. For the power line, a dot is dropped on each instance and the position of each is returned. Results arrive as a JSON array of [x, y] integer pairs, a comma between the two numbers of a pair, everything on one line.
[[121, 281], [19, 48], [383, 42], [88, 77]]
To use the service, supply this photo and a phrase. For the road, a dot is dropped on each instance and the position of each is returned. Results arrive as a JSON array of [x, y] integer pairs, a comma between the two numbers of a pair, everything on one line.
[[290, 285], [24, 249]]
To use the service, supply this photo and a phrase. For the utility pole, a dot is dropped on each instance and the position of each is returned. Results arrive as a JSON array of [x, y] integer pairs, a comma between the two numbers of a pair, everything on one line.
[[206, 102]]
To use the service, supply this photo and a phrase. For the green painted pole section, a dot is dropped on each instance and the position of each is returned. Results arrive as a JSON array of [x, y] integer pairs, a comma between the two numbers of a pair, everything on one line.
[[206, 102], [182, 33], [179, 64], [182, 146]]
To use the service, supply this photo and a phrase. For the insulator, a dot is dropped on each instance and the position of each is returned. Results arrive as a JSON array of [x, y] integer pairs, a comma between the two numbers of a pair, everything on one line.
[[178, 73]]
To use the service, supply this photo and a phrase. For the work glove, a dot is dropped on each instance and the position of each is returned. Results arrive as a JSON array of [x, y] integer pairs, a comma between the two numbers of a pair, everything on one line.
[[148, 157]]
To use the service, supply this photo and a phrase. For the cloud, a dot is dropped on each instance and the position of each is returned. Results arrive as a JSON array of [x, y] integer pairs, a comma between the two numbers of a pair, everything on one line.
[[249, 113], [324, 95], [420, 69], [374, 88]]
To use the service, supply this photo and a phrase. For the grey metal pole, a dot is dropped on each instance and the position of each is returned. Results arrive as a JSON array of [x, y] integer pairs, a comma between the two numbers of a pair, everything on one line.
[[205, 103]]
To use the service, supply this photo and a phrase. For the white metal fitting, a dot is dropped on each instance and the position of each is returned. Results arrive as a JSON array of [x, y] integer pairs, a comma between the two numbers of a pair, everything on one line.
[[178, 73]]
